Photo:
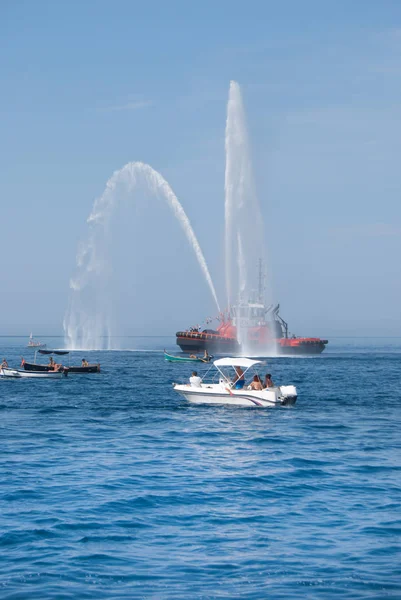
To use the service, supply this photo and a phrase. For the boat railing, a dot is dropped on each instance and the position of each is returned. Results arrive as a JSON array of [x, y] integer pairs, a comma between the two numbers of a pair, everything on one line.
[[200, 335]]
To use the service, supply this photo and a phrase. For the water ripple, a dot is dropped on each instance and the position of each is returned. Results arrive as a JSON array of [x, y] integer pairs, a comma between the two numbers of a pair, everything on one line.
[[114, 489]]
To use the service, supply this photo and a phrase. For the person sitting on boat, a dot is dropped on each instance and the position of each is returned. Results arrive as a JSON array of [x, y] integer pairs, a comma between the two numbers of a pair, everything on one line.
[[195, 380], [84, 363], [256, 384], [53, 366], [4, 363], [268, 381], [239, 379], [206, 355], [193, 356]]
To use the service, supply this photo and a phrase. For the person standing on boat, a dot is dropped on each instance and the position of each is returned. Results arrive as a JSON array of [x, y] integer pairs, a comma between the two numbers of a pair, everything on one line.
[[268, 381], [239, 379], [195, 380]]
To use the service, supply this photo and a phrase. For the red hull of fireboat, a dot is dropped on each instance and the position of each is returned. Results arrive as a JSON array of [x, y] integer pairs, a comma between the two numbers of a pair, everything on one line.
[[193, 341]]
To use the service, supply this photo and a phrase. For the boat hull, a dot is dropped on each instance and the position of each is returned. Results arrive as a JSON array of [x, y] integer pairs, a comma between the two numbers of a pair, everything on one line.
[[224, 395], [186, 359], [46, 368], [199, 342], [88, 369], [214, 343], [19, 374]]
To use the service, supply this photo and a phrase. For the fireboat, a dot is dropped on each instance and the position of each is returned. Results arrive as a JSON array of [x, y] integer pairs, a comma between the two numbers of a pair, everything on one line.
[[249, 327]]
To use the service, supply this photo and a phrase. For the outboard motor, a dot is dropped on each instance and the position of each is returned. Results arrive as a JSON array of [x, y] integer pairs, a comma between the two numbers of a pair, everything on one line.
[[289, 394]]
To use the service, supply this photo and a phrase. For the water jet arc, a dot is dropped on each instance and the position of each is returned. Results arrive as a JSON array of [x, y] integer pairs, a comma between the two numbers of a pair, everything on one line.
[[82, 328]]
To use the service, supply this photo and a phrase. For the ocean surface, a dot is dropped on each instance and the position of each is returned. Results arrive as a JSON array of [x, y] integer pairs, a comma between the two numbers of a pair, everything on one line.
[[112, 486]]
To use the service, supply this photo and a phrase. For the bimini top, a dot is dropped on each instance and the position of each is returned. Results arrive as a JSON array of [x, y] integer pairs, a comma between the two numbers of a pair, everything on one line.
[[236, 362], [58, 352]]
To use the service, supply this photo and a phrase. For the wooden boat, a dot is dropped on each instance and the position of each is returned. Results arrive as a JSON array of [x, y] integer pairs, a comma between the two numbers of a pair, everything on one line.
[[18, 374], [95, 368], [34, 367], [186, 359]]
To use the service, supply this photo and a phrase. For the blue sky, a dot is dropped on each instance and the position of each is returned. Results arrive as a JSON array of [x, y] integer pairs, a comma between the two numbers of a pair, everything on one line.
[[89, 86]]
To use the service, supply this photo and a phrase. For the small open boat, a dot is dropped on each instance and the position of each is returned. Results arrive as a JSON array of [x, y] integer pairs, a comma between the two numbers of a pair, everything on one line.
[[35, 343], [227, 392], [93, 368], [18, 374], [186, 359]]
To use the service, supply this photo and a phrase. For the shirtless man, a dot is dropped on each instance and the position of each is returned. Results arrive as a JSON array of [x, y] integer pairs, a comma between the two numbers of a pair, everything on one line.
[[53, 366], [239, 379]]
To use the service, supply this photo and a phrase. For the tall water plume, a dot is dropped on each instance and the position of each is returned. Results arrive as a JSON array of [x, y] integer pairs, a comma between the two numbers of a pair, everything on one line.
[[244, 229], [243, 220], [88, 318]]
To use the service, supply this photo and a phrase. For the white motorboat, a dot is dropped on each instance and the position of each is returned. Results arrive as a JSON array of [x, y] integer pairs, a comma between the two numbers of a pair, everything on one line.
[[18, 373], [227, 392]]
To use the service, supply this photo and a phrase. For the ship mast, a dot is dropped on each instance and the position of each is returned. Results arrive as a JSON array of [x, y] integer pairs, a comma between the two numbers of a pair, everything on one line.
[[261, 283]]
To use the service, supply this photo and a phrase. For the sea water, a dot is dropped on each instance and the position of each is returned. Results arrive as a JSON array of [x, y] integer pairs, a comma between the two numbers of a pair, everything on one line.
[[113, 486]]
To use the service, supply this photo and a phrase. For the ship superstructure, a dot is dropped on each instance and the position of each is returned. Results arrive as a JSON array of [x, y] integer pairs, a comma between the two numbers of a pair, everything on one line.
[[249, 327]]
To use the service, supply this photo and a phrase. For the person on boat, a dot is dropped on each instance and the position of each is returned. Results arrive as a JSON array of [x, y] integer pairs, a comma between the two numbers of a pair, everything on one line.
[[193, 356], [4, 363], [256, 384], [206, 355], [84, 363], [53, 366], [195, 380], [239, 379], [268, 381]]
